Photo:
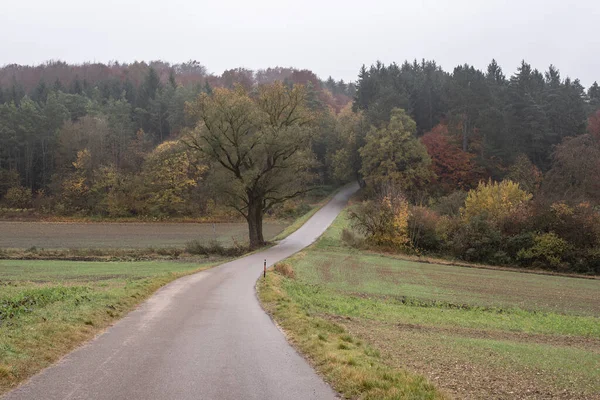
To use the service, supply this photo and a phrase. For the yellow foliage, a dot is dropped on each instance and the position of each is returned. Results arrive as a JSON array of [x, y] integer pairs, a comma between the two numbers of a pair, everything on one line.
[[18, 197], [399, 212], [83, 161], [494, 199], [384, 221], [171, 171], [562, 210]]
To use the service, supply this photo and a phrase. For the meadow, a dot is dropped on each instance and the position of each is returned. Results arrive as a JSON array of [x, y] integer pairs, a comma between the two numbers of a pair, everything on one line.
[[377, 325], [47, 308]]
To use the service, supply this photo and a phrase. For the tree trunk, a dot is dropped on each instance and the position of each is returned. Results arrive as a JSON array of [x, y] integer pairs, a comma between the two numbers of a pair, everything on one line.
[[255, 224]]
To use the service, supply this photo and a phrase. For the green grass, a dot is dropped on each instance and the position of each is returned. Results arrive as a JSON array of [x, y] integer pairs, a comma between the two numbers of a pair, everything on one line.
[[474, 332], [353, 368], [47, 308]]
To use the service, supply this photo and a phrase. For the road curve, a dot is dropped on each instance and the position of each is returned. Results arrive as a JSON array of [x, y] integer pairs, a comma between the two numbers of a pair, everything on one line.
[[203, 336]]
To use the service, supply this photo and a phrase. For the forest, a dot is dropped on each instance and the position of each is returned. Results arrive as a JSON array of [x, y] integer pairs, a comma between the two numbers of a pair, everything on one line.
[[467, 164]]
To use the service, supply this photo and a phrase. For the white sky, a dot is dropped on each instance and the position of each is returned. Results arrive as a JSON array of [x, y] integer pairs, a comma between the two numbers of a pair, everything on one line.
[[330, 37]]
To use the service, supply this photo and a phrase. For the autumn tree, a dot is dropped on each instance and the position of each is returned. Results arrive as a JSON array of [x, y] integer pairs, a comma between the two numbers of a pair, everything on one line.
[[494, 200], [350, 129], [393, 155], [384, 220], [527, 175], [454, 168], [593, 127], [169, 174], [575, 170], [258, 144]]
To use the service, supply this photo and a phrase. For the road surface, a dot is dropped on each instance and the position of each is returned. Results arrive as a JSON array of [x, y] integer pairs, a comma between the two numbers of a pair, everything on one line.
[[203, 336]]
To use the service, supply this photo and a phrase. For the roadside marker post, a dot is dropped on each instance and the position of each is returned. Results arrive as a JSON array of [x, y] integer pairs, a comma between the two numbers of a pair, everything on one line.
[[265, 270]]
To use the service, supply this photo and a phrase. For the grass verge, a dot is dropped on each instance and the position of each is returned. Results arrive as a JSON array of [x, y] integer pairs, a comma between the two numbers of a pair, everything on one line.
[[352, 367], [48, 308]]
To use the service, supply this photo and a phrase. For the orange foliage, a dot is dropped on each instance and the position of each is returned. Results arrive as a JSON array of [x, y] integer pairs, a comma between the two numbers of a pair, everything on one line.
[[454, 167], [594, 125]]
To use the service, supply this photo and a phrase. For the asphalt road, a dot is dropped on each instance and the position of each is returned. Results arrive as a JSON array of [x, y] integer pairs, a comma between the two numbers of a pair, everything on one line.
[[204, 336]]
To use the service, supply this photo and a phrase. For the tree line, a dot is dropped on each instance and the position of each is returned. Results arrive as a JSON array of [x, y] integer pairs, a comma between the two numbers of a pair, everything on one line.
[[62, 123], [474, 165], [428, 146]]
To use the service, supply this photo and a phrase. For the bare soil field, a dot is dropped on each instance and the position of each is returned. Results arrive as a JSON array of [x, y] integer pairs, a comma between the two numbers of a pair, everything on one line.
[[130, 235]]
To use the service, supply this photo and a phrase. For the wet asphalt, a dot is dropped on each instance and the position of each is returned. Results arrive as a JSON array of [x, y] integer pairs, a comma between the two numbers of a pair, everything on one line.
[[204, 336]]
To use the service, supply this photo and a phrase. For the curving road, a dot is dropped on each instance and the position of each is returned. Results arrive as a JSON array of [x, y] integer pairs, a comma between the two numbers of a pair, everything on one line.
[[204, 336]]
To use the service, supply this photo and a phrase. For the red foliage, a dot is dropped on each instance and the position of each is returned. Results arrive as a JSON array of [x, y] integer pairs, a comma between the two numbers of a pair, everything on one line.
[[454, 168], [594, 125], [238, 76]]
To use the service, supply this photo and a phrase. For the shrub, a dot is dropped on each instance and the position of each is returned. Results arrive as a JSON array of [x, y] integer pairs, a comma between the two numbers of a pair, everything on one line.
[[451, 204], [579, 225], [548, 249], [292, 209], [513, 244], [495, 200], [349, 238], [384, 221], [8, 179], [214, 248], [169, 251], [423, 229], [42, 202], [285, 269], [587, 261], [18, 197], [476, 239], [518, 221]]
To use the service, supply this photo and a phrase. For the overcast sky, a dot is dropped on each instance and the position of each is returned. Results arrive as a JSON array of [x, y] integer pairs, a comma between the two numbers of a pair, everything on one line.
[[330, 37]]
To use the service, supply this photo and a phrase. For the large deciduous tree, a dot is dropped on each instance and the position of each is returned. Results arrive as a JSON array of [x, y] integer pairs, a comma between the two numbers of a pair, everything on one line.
[[575, 170], [258, 144], [393, 155], [350, 129], [453, 166]]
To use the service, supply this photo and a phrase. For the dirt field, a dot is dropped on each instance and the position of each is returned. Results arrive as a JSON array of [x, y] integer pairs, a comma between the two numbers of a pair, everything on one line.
[[60, 235]]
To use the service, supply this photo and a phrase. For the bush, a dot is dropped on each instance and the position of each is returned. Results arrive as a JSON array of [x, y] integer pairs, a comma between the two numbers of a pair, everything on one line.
[[169, 251], [42, 202], [495, 200], [292, 210], [349, 238], [587, 262], [18, 197], [451, 205], [214, 248], [285, 269], [477, 239], [513, 244], [384, 221], [423, 229], [579, 225], [548, 249], [8, 179]]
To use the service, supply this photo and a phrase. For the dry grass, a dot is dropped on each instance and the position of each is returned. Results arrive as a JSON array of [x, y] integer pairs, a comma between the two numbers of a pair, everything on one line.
[[285, 269]]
